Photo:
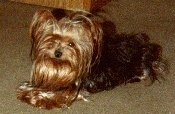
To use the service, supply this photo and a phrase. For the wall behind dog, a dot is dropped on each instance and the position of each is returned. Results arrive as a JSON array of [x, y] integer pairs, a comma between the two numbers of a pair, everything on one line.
[[77, 5]]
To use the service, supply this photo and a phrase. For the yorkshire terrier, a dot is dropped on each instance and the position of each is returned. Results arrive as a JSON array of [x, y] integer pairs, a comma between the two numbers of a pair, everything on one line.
[[71, 55]]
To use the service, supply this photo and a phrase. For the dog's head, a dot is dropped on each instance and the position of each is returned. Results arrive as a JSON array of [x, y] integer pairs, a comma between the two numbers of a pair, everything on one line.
[[63, 50]]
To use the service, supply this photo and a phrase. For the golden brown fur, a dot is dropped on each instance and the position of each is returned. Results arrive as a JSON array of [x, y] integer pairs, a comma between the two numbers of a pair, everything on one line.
[[63, 52], [71, 55]]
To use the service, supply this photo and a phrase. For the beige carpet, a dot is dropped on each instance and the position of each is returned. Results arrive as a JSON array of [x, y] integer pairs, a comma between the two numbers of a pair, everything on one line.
[[155, 17]]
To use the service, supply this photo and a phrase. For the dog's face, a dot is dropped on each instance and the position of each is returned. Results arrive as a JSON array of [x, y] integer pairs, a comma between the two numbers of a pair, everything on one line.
[[63, 50]]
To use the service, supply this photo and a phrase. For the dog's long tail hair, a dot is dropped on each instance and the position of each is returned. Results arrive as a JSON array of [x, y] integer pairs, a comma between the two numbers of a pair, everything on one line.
[[127, 59]]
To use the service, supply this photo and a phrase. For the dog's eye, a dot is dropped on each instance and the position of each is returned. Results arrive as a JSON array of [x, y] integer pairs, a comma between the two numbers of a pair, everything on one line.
[[71, 44]]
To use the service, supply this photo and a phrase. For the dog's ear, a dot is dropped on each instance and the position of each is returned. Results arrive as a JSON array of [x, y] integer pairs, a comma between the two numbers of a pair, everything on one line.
[[42, 21]]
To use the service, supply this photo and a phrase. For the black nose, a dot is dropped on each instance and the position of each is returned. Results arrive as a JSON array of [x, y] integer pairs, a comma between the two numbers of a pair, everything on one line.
[[58, 53]]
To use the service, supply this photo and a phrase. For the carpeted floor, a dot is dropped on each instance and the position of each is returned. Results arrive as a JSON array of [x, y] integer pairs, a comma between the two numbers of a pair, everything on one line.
[[155, 17]]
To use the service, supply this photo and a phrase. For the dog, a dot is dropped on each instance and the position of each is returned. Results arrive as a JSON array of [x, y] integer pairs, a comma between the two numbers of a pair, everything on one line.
[[71, 55]]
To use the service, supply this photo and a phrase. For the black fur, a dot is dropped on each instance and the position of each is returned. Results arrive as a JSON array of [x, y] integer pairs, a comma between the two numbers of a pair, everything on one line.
[[124, 59]]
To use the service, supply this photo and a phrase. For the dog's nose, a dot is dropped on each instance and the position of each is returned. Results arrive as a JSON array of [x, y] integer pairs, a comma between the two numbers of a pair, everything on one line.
[[58, 53]]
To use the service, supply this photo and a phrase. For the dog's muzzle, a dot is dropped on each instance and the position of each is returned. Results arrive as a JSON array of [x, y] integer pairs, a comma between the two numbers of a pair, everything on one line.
[[58, 53]]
